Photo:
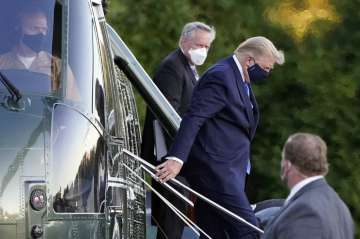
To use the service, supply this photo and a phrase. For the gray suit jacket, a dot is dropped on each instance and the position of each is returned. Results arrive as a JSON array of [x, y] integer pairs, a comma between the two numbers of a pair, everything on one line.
[[315, 212]]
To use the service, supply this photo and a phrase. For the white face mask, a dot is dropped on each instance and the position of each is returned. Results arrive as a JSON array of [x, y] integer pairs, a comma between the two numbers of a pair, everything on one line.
[[198, 56]]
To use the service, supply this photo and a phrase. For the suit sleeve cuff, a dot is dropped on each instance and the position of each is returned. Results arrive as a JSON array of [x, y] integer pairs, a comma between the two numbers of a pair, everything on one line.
[[175, 159]]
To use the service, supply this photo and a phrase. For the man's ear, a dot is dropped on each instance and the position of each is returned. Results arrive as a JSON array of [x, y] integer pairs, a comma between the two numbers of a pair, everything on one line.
[[288, 164], [248, 61]]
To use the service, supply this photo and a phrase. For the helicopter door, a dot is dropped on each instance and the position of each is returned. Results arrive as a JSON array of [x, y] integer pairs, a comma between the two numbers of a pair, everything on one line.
[[76, 176], [78, 166], [115, 189]]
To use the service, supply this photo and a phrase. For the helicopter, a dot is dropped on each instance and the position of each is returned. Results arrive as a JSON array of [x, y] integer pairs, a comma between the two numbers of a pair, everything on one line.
[[69, 123]]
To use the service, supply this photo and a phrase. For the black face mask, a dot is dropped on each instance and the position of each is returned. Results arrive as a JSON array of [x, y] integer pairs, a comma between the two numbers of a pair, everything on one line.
[[257, 74], [34, 42]]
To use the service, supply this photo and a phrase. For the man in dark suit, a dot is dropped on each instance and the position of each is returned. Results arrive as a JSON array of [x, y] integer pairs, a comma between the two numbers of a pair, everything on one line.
[[176, 77], [312, 209], [215, 134]]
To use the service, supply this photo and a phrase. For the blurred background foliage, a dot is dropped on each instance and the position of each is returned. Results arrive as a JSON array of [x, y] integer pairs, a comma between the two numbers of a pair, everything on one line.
[[317, 90]]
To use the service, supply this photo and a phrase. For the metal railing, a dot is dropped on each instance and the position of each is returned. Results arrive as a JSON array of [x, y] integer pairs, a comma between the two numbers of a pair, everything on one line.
[[170, 121], [147, 167]]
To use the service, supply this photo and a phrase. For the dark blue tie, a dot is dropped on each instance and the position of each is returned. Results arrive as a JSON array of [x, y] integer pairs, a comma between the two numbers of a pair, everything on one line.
[[247, 89]]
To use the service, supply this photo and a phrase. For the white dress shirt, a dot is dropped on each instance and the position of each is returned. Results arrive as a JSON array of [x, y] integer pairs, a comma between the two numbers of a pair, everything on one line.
[[296, 188], [175, 159], [242, 76], [239, 67]]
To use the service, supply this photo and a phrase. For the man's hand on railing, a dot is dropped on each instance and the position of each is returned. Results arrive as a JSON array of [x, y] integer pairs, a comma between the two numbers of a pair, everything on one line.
[[163, 172], [168, 170]]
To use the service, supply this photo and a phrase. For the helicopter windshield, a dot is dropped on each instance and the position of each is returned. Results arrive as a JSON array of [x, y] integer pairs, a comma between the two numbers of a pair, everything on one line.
[[30, 45]]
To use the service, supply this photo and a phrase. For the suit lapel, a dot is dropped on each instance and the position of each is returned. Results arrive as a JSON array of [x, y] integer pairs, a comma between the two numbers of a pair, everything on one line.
[[307, 187], [255, 111], [241, 88], [191, 74], [276, 217], [186, 64], [316, 183]]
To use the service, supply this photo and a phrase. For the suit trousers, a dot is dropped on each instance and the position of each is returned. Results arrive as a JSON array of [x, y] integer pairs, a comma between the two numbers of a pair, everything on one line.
[[221, 226]]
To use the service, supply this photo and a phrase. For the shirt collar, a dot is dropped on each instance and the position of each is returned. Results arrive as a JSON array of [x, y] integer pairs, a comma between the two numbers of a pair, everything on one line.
[[239, 67], [300, 185]]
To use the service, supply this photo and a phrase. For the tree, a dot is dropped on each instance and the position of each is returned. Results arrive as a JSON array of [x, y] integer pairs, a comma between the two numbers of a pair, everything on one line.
[[315, 91]]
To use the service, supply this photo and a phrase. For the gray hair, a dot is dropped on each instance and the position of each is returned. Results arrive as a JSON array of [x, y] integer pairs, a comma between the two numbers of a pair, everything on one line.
[[308, 152], [190, 28], [260, 46]]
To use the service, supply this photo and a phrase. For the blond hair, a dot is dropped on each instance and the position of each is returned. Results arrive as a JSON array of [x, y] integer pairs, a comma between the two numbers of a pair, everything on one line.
[[260, 46]]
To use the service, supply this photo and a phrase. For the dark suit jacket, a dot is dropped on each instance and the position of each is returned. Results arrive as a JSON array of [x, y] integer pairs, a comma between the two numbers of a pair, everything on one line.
[[315, 212], [215, 134], [176, 81]]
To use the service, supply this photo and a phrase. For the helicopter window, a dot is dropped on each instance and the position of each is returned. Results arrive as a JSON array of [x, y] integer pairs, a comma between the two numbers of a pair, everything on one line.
[[78, 163], [99, 99], [80, 50], [30, 49]]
